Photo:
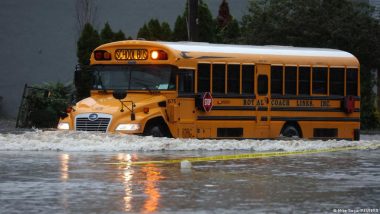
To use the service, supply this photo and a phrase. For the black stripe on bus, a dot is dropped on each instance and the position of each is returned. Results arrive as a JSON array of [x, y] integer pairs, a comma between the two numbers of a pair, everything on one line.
[[263, 108], [308, 97], [337, 119], [252, 118], [235, 108], [318, 109], [226, 118], [233, 96]]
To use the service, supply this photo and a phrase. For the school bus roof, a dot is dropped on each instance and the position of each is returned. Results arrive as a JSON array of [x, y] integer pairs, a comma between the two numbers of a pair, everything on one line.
[[200, 50]]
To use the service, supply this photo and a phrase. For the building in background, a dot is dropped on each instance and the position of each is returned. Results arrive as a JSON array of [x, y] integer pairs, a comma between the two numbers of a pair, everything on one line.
[[38, 38]]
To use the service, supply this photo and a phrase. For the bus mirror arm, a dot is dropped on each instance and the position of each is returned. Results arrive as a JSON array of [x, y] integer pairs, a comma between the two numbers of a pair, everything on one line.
[[132, 109]]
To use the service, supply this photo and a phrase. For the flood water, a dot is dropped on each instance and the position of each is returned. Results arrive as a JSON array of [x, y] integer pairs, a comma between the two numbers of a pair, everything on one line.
[[44, 173]]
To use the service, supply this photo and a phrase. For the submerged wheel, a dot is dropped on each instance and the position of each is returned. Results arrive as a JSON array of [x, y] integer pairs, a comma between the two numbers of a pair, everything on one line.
[[154, 131], [291, 131]]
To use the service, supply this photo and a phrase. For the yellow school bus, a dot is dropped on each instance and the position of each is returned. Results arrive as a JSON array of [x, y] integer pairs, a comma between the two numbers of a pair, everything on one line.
[[202, 90]]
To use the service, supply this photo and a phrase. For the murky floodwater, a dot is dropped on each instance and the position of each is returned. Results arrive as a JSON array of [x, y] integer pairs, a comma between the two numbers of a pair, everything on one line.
[[45, 180]]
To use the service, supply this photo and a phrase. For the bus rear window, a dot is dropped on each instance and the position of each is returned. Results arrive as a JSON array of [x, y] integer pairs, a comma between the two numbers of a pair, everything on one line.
[[337, 81]]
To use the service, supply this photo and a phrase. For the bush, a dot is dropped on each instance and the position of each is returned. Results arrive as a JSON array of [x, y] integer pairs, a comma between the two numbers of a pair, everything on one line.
[[44, 104]]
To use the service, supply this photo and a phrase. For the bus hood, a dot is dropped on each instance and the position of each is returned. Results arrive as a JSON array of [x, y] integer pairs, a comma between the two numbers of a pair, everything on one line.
[[107, 104]]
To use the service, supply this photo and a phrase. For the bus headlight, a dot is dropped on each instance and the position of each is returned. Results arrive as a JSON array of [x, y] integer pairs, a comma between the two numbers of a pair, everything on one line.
[[63, 126], [127, 127]]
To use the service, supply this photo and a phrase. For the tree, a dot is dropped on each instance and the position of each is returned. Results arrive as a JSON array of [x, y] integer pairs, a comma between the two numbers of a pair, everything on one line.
[[143, 32], [118, 36], [180, 29], [228, 30], [154, 31], [206, 24], [166, 32], [87, 42], [342, 24], [85, 13], [107, 35]]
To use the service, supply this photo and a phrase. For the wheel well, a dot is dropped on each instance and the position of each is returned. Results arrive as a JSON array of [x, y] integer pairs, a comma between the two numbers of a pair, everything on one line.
[[158, 121], [294, 124]]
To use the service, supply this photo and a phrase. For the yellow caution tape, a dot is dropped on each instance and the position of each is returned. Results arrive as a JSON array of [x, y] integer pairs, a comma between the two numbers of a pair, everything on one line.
[[251, 155]]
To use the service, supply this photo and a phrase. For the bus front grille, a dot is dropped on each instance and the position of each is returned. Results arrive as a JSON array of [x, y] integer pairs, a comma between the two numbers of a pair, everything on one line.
[[83, 123]]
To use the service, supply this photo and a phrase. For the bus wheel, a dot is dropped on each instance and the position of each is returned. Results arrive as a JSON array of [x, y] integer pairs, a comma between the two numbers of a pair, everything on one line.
[[291, 131], [154, 131], [157, 128]]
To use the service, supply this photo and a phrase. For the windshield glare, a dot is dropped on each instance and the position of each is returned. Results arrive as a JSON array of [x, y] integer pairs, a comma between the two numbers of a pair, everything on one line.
[[134, 77]]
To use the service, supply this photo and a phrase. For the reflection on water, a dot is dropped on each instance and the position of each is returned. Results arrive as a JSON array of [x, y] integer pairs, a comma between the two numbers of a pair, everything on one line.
[[64, 161], [127, 175], [153, 175], [54, 182]]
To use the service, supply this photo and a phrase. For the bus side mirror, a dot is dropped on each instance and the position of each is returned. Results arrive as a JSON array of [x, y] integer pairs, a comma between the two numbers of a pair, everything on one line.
[[119, 94]]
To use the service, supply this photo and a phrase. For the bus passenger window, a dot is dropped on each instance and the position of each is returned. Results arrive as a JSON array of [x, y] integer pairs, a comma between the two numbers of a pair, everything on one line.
[[262, 85], [304, 80], [233, 79], [186, 81], [203, 78], [276, 79], [337, 81], [291, 80], [218, 78], [248, 79], [319, 80], [352, 81]]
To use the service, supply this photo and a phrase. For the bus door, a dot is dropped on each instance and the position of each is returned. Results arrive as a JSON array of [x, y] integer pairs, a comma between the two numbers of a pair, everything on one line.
[[185, 109], [262, 92]]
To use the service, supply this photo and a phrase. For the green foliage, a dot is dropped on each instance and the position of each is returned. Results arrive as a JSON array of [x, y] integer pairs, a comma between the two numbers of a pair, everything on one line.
[[227, 30], [206, 25], [107, 35], [166, 32], [155, 30], [87, 42], [370, 116], [119, 36], [43, 112], [180, 29], [342, 24]]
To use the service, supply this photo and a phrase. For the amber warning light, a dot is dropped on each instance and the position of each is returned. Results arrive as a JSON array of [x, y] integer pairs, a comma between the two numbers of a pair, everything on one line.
[[158, 55]]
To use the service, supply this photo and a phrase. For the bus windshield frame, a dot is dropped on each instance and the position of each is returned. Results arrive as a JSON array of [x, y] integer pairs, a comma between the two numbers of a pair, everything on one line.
[[134, 77]]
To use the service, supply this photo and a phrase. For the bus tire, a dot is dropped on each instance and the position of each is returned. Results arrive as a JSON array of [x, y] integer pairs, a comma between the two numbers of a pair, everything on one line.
[[291, 130], [156, 128], [154, 131]]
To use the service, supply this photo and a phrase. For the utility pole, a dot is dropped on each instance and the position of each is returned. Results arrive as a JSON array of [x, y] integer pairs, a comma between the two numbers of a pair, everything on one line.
[[192, 20]]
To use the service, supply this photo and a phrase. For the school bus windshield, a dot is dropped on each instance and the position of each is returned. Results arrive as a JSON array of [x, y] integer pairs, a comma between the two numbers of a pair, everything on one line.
[[134, 77]]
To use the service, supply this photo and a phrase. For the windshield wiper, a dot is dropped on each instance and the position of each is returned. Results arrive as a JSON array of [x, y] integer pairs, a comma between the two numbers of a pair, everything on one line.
[[146, 87]]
